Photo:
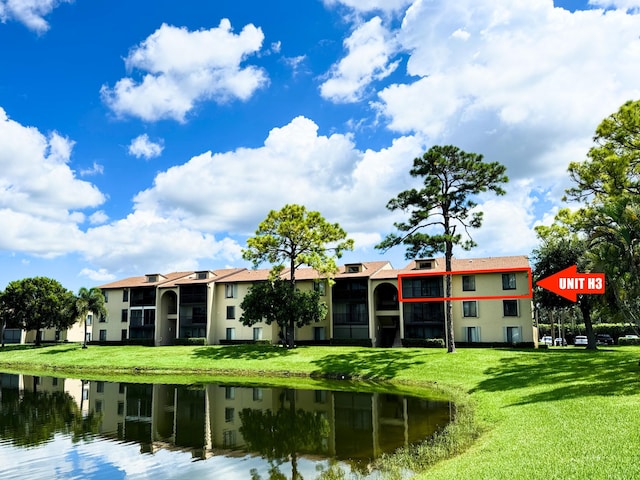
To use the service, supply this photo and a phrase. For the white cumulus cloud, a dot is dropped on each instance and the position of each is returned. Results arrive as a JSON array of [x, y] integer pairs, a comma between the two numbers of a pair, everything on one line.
[[142, 147], [180, 68], [369, 49], [29, 12]]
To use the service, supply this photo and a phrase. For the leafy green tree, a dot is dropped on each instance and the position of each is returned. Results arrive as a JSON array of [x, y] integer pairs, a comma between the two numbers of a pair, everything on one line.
[[275, 301], [37, 303], [613, 229], [612, 166], [89, 300], [559, 249], [284, 434], [30, 418], [450, 177], [608, 183], [293, 237]]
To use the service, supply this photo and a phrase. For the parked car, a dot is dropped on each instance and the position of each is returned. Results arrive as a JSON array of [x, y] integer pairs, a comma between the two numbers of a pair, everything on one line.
[[547, 340], [632, 337], [580, 340], [604, 339], [560, 342]]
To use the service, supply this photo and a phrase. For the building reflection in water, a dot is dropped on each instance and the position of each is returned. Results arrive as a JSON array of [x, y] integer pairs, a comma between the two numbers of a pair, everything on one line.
[[219, 419]]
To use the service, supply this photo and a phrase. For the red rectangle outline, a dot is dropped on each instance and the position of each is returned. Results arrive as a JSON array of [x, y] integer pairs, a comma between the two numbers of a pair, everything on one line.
[[465, 272]]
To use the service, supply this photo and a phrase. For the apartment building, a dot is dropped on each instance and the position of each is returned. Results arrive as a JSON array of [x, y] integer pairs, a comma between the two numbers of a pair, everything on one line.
[[369, 303]]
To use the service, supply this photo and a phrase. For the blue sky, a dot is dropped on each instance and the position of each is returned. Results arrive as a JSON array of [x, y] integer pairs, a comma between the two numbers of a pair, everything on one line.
[[154, 136]]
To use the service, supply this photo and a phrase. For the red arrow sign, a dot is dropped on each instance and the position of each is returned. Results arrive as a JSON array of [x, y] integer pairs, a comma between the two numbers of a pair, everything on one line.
[[568, 283]]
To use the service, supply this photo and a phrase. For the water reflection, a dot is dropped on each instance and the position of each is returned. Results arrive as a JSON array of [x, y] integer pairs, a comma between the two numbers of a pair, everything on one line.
[[261, 433]]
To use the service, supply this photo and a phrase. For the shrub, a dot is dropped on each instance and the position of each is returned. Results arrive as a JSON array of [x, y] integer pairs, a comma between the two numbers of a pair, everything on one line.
[[191, 341], [616, 330], [423, 342], [245, 342], [145, 342]]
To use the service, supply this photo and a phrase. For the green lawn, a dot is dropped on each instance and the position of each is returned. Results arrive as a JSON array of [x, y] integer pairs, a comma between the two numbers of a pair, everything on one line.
[[548, 414]]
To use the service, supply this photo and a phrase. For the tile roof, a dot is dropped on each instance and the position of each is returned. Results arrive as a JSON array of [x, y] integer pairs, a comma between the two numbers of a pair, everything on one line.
[[214, 276], [142, 281], [245, 275], [373, 270], [367, 269], [471, 264]]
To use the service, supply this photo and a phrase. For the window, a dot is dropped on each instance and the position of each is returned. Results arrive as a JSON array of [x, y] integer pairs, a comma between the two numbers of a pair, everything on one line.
[[89, 319], [320, 396], [257, 333], [202, 275], [228, 414], [257, 394], [468, 283], [508, 281], [230, 290], [231, 312], [321, 287], [472, 334], [123, 334], [420, 287], [125, 295], [105, 294], [120, 408], [425, 264], [510, 308], [318, 333], [512, 334], [470, 308], [124, 315], [230, 393], [102, 319], [228, 438], [99, 387], [353, 268], [231, 333], [142, 297], [103, 335]]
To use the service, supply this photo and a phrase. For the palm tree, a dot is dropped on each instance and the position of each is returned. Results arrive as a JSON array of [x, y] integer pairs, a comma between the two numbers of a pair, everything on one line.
[[89, 300]]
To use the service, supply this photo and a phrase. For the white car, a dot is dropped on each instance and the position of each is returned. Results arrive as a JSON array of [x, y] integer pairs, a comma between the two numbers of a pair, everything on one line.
[[580, 340], [547, 340]]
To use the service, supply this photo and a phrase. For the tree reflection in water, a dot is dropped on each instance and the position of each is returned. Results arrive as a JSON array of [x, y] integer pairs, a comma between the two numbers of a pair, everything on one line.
[[29, 418], [283, 435]]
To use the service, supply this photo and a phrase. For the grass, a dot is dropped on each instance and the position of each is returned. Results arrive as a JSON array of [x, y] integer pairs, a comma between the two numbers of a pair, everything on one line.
[[537, 414]]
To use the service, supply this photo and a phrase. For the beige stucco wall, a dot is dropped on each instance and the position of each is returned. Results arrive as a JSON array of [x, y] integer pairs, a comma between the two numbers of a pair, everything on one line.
[[113, 323], [490, 320], [220, 323]]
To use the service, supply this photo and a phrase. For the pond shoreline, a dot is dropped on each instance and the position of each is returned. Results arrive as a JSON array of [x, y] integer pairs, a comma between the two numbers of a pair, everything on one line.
[[452, 440]]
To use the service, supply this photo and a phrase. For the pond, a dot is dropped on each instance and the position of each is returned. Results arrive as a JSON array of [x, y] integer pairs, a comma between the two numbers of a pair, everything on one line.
[[66, 428]]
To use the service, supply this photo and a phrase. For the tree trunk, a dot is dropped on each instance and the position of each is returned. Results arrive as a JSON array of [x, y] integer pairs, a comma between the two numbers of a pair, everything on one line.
[[451, 344], [290, 336], [585, 308]]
